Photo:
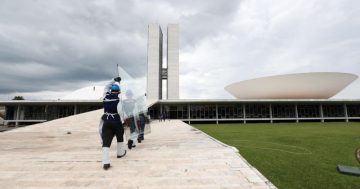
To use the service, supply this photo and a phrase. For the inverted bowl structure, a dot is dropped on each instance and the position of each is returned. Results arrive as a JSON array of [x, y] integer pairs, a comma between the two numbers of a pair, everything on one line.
[[316, 85]]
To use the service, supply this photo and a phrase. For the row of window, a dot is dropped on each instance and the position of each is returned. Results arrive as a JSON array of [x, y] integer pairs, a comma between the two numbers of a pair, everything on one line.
[[199, 111], [46, 112], [255, 111]]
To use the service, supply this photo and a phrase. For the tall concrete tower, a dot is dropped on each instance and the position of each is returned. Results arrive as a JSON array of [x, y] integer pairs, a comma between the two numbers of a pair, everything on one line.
[[173, 61], [154, 62]]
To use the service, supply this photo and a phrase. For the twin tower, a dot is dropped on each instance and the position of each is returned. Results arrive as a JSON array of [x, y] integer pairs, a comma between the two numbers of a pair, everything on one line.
[[156, 73]]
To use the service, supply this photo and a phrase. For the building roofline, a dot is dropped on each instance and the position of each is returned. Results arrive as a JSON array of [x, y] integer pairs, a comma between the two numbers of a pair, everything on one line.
[[34, 102], [175, 101], [254, 100]]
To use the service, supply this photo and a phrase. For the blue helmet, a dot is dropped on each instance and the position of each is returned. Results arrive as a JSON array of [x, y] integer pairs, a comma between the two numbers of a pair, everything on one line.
[[115, 88]]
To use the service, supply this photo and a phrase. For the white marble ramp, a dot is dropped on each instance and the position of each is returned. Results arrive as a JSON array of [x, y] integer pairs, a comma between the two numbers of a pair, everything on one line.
[[174, 155]]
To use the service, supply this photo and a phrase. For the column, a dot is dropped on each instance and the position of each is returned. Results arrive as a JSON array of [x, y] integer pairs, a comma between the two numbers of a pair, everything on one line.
[[189, 114], [244, 113], [270, 111], [321, 113], [296, 114], [75, 109], [217, 115], [346, 113], [17, 116]]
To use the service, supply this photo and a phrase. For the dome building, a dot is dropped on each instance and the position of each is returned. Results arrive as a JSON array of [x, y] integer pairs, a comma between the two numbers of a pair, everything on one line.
[[315, 85]]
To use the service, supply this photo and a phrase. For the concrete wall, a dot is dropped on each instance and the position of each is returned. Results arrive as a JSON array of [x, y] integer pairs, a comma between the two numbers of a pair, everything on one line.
[[154, 62], [173, 61]]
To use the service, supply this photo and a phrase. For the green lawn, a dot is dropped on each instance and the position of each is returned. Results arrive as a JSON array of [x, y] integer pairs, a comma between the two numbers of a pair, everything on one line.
[[295, 155]]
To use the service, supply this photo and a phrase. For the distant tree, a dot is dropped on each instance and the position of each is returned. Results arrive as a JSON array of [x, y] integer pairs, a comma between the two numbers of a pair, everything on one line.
[[18, 98]]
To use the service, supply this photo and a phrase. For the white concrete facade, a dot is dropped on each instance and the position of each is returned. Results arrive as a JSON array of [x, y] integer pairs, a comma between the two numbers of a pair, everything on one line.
[[173, 61], [154, 62]]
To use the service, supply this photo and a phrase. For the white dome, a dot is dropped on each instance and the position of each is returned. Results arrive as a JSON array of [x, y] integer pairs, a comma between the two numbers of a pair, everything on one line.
[[317, 85], [86, 93]]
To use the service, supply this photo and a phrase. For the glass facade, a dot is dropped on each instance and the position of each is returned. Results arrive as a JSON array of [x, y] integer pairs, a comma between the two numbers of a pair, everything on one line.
[[333, 110], [203, 111], [283, 111], [46, 112], [243, 112], [308, 111], [195, 111], [257, 111], [230, 112], [353, 110]]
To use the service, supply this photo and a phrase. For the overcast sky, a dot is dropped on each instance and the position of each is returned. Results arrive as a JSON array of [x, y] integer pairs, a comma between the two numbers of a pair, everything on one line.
[[49, 48]]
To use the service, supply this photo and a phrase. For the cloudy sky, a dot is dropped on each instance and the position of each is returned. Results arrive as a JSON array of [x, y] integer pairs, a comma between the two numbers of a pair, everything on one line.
[[48, 47]]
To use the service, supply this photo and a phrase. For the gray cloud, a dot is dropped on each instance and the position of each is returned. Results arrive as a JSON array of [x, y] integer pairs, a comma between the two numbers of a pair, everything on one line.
[[59, 46], [52, 44], [48, 44], [278, 37]]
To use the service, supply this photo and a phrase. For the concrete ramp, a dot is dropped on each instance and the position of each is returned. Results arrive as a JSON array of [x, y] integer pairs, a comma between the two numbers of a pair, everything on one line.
[[174, 155]]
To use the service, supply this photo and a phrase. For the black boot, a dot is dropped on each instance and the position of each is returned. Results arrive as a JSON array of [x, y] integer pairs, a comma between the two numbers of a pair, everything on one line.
[[139, 140], [106, 166], [130, 144]]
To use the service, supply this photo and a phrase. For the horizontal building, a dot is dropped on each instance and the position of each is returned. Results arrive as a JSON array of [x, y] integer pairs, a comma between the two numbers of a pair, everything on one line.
[[25, 112], [258, 110], [216, 111]]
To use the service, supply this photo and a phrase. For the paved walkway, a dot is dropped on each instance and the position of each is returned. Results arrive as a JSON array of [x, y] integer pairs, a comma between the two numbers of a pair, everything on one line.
[[174, 155]]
